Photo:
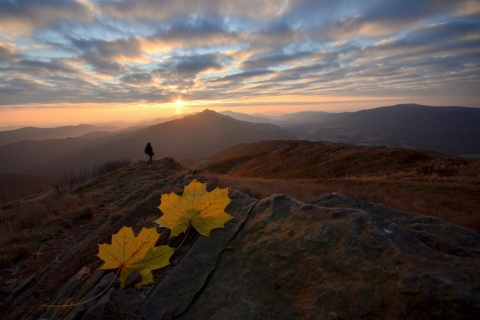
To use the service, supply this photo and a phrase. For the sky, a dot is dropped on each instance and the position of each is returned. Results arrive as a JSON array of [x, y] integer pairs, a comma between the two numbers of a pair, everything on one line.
[[88, 61]]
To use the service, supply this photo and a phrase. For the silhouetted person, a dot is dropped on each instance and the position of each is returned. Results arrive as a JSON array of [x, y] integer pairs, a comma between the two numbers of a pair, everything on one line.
[[149, 152]]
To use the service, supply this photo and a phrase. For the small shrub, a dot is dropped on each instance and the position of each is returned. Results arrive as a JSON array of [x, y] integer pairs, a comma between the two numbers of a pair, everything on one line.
[[109, 166]]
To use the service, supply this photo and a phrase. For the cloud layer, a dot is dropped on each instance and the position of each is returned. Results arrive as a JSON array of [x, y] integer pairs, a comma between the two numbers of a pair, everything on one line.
[[99, 51]]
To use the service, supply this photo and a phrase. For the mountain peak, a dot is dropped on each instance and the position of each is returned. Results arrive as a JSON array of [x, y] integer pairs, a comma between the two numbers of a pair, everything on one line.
[[411, 105], [207, 113]]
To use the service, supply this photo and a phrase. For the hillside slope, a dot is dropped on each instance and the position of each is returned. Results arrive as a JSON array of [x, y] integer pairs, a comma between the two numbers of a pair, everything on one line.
[[307, 159], [451, 130], [411, 180]]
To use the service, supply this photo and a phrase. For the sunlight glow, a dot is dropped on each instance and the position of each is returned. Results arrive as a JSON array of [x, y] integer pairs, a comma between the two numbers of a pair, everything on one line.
[[179, 103]]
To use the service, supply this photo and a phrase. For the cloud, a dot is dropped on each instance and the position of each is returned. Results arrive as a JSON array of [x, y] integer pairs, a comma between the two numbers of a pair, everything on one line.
[[23, 15], [105, 56], [445, 31], [166, 10], [137, 78], [445, 37], [118, 47], [372, 18], [405, 11], [199, 31], [307, 71], [274, 59], [467, 8], [184, 74], [274, 35], [45, 67], [245, 75], [8, 51], [151, 51], [191, 65]]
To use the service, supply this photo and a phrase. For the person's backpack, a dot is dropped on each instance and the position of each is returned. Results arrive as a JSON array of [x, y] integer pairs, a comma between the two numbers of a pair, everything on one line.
[[149, 149]]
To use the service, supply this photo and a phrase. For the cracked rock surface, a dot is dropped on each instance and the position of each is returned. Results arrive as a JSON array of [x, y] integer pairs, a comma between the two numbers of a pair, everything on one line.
[[340, 258], [174, 295]]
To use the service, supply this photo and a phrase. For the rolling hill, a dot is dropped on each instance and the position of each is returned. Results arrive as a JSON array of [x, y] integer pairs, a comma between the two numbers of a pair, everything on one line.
[[420, 181], [451, 130], [247, 117], [307, 159], [34, 133]]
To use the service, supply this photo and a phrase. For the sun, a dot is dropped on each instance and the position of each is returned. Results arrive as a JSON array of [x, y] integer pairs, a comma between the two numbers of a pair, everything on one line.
[[179, 103]]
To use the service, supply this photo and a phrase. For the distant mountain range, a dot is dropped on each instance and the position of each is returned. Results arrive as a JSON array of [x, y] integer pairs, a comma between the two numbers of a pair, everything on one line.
[[34, 133], [450, 130], [192, 137]]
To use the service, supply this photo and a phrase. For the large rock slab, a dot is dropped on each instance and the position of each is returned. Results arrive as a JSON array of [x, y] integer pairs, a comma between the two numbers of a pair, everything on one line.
[[174, 295], [341, 258]]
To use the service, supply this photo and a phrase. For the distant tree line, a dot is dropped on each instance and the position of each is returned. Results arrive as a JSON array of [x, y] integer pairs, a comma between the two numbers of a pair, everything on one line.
[[70, 177]]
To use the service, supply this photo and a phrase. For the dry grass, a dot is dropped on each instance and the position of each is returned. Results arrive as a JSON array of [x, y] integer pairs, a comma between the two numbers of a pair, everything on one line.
[[29, 224], [71, 178], [453, 201], [26, 226], [411, 180], [15, 186], [324, 160]]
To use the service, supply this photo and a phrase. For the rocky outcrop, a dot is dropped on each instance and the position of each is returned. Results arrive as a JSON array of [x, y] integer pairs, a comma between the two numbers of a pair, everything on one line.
[[333, 257], [339, 258]]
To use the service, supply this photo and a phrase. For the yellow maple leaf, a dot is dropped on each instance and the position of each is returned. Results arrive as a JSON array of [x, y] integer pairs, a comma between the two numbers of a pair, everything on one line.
[[196, 206], [156, 258], [126, 251]]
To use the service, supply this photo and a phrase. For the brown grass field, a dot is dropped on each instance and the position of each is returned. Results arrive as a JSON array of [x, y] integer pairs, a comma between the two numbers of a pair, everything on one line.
[[454, 201], [417, 181]]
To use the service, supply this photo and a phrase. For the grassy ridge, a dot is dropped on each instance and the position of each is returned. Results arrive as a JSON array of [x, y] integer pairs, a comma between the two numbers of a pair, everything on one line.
[[411, 180]]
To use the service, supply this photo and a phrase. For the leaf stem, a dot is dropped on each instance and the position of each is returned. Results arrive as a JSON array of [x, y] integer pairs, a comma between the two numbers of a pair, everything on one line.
[[86, 301], [185, 237]]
